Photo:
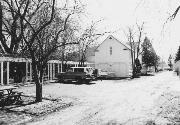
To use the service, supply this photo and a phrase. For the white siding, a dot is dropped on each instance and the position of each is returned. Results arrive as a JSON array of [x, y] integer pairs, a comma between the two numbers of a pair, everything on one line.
[[120, 60]]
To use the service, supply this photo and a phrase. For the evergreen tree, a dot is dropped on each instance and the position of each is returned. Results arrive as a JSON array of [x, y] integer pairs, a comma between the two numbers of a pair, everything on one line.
[[177, 55], [138, 66], [149, 56], [170, 61]]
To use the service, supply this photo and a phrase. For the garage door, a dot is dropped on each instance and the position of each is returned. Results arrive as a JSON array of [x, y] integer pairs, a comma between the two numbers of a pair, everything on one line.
[[120, 69]]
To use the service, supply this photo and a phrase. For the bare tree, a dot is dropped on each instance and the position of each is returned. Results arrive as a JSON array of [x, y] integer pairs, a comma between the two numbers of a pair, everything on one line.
[[130, 36], [135, 42], [35, 25], [68, 37], [174, 14], [12, 14], [40, 50], [88, 39]]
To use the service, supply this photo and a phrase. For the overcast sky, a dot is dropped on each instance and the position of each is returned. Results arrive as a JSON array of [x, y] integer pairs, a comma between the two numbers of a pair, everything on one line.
[[119, 14]]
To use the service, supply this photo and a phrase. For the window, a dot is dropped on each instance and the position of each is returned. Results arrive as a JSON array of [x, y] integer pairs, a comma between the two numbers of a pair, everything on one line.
[[78, 69], [110, 49]]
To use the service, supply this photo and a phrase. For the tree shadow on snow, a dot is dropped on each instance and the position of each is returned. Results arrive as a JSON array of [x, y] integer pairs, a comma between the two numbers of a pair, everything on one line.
[[114, 78], [147, 74], [78, 83]]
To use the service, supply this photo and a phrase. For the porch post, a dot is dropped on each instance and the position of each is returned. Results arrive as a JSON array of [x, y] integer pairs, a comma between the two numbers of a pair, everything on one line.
[[61, 67], [48, 71], [26, 71], [58, 67], [7, 73], [30, 71], [2, 73], [53, 71]]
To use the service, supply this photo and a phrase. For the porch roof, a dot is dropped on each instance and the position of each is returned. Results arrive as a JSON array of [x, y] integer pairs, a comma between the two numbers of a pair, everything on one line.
[[14, 59]]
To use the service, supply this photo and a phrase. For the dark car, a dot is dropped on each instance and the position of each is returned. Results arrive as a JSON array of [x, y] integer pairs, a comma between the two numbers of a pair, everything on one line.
[[77, 74]]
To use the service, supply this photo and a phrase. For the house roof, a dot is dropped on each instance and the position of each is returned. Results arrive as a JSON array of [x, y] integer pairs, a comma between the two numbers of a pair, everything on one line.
[[111, 36]]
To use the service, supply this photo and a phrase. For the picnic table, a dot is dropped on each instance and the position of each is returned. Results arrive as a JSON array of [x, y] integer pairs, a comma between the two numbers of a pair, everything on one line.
[[9, 96]]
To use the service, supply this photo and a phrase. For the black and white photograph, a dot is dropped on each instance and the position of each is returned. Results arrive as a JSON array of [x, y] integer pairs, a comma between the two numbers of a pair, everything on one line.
[[89, 62]]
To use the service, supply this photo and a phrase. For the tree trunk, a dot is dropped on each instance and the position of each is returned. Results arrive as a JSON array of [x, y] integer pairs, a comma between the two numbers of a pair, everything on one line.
[[134, 64], [37, 82], [1, 16], [38, 91], [146, 69], [132, 60]]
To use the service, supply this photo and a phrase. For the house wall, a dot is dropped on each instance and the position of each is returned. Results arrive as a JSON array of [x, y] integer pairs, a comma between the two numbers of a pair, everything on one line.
[[91, 59], [120, 60]]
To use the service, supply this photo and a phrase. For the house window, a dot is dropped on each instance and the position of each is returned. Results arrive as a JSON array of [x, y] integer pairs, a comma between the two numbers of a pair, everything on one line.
[[110, 50]]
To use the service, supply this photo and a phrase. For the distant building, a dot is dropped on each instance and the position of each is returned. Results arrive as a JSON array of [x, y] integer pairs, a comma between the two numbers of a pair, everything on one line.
[[162, 65], [113, 56]]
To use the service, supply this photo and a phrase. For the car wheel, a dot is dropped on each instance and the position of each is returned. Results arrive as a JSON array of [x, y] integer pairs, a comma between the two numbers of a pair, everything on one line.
[[61, 80], [79, 80]]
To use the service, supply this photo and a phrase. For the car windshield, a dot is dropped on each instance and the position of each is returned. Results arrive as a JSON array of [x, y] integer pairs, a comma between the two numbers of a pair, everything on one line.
[[78, 69]]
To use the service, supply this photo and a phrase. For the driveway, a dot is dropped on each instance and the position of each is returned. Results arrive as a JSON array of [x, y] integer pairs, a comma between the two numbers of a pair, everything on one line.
[[109, 102]]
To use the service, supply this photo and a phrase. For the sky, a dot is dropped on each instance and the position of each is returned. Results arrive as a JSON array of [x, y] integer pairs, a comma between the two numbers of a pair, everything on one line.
[[117, 15]]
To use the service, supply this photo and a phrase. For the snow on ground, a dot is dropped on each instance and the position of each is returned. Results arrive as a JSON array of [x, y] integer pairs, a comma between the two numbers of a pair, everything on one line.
[[127, 102]]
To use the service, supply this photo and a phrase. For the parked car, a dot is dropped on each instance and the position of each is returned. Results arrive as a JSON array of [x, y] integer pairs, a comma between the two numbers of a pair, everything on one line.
[[87, 70], [77, 74]]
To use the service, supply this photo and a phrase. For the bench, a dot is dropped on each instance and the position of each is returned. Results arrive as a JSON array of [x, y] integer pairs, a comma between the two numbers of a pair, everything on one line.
[[1, 93], [13, 98]]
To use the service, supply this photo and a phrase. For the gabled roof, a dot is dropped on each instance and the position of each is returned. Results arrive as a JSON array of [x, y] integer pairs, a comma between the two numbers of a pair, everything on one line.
[[111, 36]]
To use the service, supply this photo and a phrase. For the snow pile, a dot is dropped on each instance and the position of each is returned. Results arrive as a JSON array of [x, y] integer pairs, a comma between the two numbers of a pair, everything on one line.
[[12, 118], [168, 108]]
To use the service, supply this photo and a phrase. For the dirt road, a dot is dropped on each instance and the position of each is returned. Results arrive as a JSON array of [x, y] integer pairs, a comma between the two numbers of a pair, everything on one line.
[[107, 102]]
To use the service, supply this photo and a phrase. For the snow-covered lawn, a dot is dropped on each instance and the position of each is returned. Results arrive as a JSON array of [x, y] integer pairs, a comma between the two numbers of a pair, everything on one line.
[[114, 101], [128, 102]]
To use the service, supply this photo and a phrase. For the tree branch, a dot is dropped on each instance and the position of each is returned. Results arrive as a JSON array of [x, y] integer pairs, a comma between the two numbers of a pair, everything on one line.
[[47, 23]]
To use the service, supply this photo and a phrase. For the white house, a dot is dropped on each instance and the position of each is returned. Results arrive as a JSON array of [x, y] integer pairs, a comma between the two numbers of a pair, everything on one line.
[[113, 56]]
